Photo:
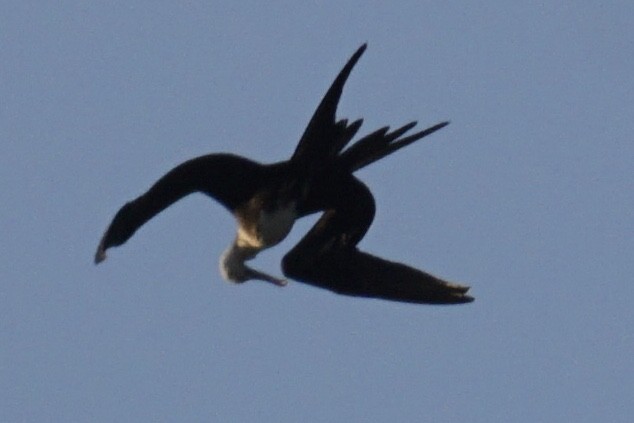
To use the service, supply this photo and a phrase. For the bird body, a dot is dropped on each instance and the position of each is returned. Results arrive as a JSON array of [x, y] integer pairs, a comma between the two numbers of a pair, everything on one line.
[[267, 199]]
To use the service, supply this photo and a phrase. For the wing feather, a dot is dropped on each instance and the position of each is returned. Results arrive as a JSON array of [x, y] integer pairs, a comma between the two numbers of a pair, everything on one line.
[[327, 256]]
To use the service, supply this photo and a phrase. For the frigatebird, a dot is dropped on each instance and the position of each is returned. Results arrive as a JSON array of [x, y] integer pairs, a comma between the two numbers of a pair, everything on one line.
[[267, 199]]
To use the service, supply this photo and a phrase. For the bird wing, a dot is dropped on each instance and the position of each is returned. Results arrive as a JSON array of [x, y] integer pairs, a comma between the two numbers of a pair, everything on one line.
[[327, 257], [227, 178], [356, 273]]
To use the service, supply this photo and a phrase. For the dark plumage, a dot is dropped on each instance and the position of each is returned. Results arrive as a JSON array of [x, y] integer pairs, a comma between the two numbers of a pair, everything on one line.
[[266, 199]]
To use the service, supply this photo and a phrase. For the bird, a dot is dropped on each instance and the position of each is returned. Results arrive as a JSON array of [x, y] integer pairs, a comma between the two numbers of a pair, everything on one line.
[[267, 199]]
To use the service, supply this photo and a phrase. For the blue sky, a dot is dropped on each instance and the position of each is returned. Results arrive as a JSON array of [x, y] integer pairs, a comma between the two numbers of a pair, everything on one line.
[[527, 196]]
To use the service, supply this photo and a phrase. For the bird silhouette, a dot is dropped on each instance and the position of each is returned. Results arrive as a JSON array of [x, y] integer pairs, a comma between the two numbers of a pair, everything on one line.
[[267, 199]]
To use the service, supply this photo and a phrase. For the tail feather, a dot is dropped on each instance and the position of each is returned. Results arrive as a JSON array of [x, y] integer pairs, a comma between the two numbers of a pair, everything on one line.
[[382, 143], [346, 133]]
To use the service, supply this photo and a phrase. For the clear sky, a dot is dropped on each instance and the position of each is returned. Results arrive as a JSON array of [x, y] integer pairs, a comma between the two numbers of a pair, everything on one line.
[[527, 196]]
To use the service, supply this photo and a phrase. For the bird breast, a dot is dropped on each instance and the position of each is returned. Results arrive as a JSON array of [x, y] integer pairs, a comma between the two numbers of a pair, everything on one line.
[[271, 227]]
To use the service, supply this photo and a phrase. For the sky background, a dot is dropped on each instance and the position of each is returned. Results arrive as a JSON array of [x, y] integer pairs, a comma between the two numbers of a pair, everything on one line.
[[527, 196]]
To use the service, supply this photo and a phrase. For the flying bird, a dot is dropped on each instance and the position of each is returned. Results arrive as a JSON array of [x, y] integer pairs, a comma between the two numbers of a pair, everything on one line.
[[267, 199]]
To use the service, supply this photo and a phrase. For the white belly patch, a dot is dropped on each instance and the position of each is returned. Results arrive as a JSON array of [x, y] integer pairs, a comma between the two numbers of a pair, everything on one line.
[[271, 229]]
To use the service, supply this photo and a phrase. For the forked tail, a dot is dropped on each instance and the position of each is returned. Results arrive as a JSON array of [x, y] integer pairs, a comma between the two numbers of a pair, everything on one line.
[[381, 143]]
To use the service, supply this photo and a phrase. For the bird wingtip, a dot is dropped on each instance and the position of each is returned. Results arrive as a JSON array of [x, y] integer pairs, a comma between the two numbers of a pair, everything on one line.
[[100, 255]]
